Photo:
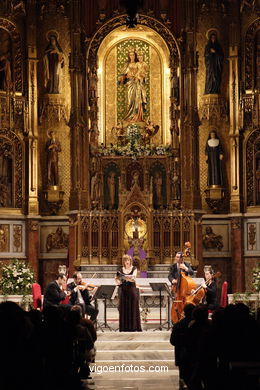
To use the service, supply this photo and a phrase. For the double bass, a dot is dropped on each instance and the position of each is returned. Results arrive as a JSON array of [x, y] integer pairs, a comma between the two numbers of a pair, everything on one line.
[[185, 284]]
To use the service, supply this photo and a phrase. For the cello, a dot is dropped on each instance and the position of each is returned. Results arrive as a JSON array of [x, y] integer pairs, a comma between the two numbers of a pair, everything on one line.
[[185, 284], [197, 295]]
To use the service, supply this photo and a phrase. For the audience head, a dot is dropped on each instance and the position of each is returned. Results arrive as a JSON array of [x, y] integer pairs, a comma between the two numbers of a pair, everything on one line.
[[127, 261], [77, 308], [200, 314], [188, 309]]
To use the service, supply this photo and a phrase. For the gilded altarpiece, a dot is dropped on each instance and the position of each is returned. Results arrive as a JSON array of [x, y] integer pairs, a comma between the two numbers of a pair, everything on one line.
[[113, 56]]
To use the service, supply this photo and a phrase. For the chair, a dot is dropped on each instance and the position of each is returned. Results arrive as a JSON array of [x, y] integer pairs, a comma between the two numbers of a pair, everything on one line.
[[223, 297], [65, 301], [37, 296]]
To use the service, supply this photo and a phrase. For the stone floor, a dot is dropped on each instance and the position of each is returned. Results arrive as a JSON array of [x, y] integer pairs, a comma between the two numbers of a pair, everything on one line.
[[136, 361]]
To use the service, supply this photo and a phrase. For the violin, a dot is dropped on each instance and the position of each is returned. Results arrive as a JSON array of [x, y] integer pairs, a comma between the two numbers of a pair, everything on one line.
[[87, 286]]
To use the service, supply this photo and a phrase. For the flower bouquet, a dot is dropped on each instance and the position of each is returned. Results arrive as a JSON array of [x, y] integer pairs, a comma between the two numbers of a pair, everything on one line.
[[17, 278]]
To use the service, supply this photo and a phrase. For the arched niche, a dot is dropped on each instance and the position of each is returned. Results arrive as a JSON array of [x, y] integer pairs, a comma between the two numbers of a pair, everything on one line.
[[102, 79], [11, 170], [252, 42]]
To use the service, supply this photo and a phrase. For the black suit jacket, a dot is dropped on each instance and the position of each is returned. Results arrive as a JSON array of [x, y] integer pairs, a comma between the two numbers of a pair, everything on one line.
[[173, 273], [74, 295], [53, 295]]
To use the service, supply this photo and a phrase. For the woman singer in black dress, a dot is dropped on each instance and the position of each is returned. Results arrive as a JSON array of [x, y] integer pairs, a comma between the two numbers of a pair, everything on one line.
[[129, 313]]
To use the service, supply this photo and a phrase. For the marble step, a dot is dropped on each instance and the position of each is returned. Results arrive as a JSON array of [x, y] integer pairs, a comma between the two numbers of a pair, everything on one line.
[[134, 336], [134, 355], [166, 365], [141, 382], [132, 345]]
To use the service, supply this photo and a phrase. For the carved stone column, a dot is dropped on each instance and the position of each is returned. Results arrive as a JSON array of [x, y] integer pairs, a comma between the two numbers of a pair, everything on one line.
[[32, 139], [33, 245], [79, 192], [73, 231], [234, 77], [238, 271], [189, 136]]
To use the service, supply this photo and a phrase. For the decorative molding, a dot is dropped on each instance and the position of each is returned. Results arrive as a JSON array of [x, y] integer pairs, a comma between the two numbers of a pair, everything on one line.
[[236, 223], [249, 53], [213, 108], [53, 109], [17, 52], [17, 154]]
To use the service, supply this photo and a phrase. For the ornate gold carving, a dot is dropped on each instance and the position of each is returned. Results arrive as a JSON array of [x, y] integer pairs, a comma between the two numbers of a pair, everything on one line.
[[17, 49], [4, 238], [33, 226], [52, 200], [92, 49], [251, 236], [235, 223], [57, 240], [213, 108], [17, 154], [17, 238], [249, 53], [215, 198], [53, 109], [250, 153]]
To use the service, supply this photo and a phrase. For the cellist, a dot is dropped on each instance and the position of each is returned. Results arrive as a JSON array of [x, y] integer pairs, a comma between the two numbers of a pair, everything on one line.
[[210, 287], [178, 266]]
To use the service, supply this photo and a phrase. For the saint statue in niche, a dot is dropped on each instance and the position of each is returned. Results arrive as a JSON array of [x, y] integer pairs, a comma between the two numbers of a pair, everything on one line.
[[158, 198], [111, 184], [95, 187], [5, 61], [52, 148], [53, 62], [133, 76], [214, 57], [214, 156]]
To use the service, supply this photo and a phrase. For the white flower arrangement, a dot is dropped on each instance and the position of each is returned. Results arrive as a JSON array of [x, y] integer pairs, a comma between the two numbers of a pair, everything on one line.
[[256, 278], [17, 278], [136, 150]]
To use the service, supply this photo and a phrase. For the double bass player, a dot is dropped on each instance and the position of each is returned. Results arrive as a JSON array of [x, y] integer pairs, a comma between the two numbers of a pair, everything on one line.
[[178, 266], [182, 284]]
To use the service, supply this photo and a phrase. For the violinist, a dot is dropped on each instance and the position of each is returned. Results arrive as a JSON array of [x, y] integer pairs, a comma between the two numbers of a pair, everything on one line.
[[178, 266], [210, 287], [56, 292], [80, 296]]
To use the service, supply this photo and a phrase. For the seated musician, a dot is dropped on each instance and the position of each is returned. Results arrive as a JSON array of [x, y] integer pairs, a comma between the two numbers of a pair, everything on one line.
[[56, 292], [80, 296], [179, 265], [210, 287]]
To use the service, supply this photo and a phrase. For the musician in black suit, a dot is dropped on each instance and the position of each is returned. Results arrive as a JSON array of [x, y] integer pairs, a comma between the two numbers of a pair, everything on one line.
[[177, 267], [80, 296], [56, 292]]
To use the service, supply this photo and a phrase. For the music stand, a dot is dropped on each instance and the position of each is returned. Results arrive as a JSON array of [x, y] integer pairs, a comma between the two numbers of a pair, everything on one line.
[[162, 287], [105, 292]]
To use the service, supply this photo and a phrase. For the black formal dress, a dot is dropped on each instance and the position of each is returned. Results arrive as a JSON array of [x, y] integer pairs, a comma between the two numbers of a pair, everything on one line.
[[82, 298], [53, 295], [129, 313], [211, 296], [174, 271]]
